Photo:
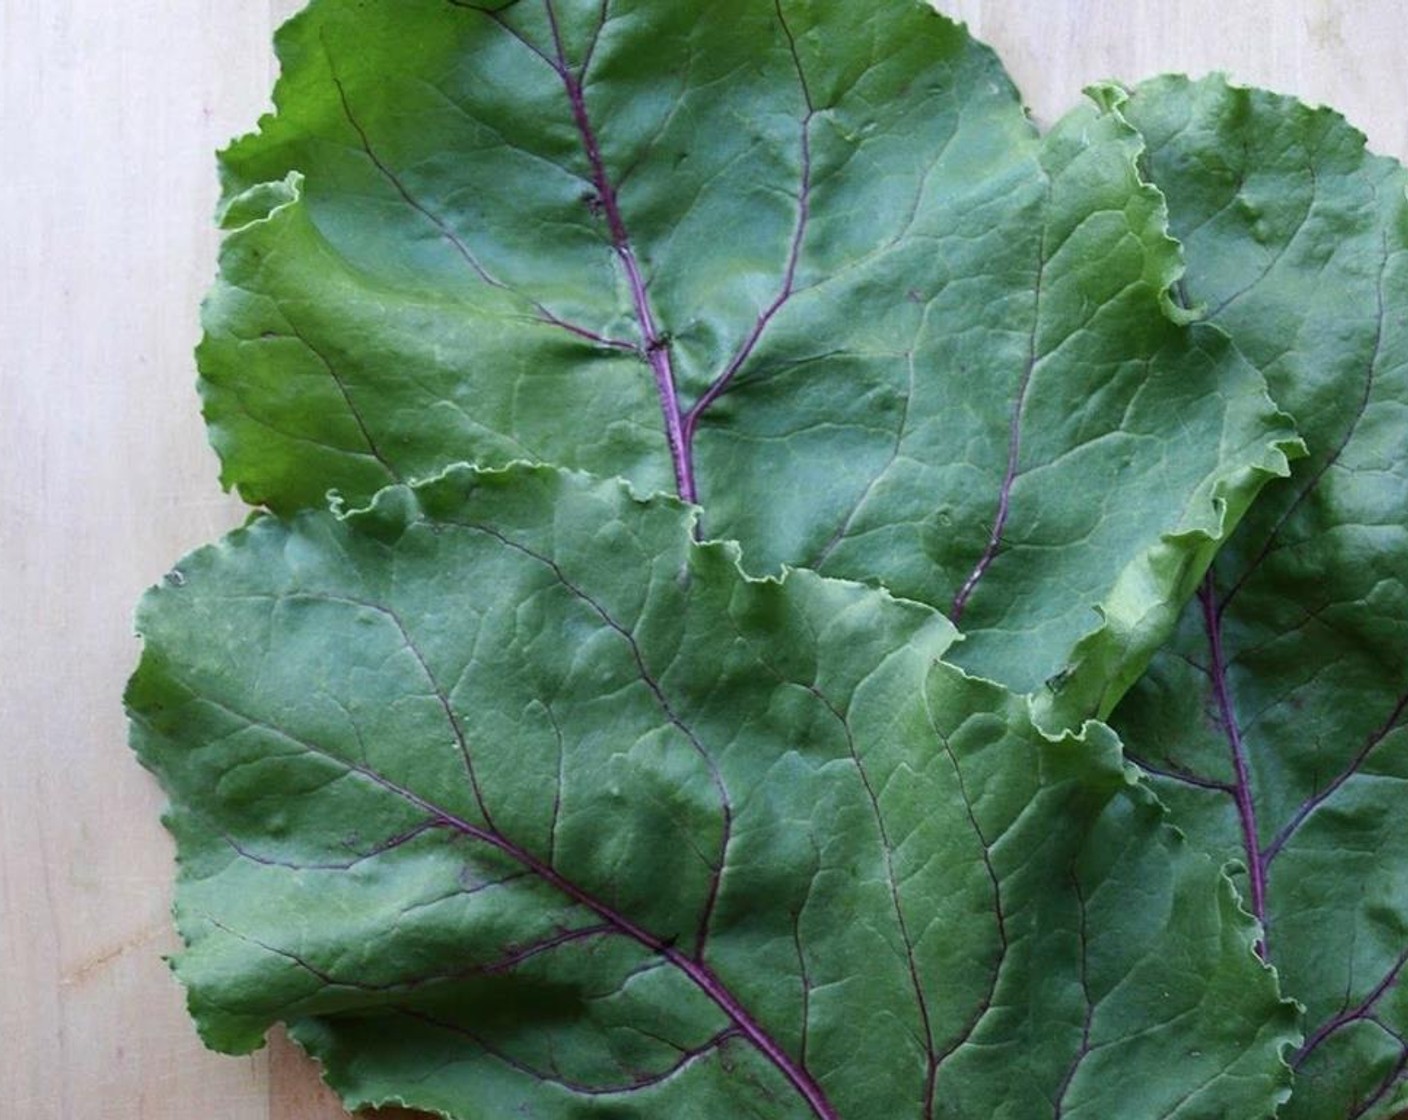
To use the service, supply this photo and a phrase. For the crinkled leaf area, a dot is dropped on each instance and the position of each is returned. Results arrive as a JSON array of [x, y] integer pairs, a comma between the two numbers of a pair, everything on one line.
[[807, 262], [514, 799], [1277, 721]]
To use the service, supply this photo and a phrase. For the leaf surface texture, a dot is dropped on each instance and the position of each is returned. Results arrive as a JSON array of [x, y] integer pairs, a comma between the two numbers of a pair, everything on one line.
[[501, 827]]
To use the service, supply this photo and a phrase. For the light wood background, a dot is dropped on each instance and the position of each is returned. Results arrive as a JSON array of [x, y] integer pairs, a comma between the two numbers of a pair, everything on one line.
[[109, 113]]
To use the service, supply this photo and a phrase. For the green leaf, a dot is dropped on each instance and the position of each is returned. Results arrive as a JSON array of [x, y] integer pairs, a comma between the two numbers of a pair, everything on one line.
[[806, 262], [514, 799], [1277, 719]]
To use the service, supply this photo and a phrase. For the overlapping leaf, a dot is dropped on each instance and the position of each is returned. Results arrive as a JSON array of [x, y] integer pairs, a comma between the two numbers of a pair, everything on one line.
[[805, 261], [513, 799], [1278, 720]]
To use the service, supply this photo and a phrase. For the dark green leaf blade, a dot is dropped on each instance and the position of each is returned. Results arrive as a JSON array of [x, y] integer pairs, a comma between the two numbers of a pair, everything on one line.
[[1277, 717], [499, 823], [807, 262]]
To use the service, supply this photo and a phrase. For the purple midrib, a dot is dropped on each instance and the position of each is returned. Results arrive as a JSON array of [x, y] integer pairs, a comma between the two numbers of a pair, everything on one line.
[[656, 350], [1242, 786], [656, 346], [1259, 859], [681, 424]]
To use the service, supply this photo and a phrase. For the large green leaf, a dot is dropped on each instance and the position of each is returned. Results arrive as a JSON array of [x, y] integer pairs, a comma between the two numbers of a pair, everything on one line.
[[803, 260], [1277, 718], [515, 800]]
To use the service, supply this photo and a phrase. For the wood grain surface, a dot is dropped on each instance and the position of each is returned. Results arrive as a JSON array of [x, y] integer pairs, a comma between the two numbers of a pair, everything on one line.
[[108, 117]]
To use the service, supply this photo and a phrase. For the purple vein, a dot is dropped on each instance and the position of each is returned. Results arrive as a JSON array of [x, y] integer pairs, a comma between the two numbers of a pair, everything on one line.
[[1083, 1051], [1363, 1010], [834, 541], [348, 401], [887, 847], [451, 716], [388, 845], [649, 679], [794, 252], [455, 241], [1392, 1078], [520, 955], [1310, 804], [1014, 451], [656, 346], [497, 15], [1242, 787], [1280, 252], [700, 974], [1365, 396], [603, 14], [687, 1057], [509, 961], [1185, 777], [806, 983], [985, 1004], [450, 236], [437, 691], [561, 783], [289, 955]]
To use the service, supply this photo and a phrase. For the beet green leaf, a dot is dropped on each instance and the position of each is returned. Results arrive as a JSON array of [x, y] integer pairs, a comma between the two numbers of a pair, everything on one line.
[[513, 799], [1277, 722], [807, 263]]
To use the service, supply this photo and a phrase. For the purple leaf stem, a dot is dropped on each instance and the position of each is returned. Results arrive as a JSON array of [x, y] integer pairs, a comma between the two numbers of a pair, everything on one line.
[[1242, 787], [656, 344], [680, 425]]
